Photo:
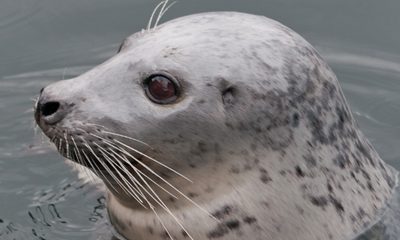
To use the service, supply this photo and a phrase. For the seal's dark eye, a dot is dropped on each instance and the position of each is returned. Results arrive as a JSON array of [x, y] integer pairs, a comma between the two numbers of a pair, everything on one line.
[[161, 89]]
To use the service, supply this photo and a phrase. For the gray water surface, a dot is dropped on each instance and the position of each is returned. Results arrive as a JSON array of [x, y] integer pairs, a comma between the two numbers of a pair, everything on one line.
[[42, 41]]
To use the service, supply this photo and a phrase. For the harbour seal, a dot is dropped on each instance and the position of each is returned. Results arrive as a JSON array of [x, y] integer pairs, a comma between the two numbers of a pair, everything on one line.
[[220, 125]]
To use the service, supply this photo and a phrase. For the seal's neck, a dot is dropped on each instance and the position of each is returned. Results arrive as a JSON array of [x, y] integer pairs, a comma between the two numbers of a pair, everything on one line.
[[327, 182]]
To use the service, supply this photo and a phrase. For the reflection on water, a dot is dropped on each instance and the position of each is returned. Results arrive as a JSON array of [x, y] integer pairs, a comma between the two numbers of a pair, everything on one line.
[[43, 41]]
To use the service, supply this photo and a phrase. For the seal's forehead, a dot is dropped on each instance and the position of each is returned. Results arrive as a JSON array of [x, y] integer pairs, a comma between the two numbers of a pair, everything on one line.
[[231, 45], [215, 31]]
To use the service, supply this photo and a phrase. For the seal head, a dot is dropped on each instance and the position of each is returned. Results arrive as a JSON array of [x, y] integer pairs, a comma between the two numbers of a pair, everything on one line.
[[243, 107]]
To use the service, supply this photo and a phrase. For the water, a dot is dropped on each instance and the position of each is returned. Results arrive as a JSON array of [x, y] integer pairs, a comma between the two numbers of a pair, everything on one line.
[[42, 41]]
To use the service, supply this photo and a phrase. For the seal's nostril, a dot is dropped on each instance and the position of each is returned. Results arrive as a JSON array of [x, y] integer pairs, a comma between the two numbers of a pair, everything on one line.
[[49, 108]]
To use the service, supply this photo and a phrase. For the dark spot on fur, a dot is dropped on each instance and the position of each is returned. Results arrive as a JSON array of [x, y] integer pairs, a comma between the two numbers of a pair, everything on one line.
[[171, 199], [295, 120], [329, 186], [235, 169], [224, 228], [365, 151], [337, 204], [192, 195], [249, 220], [361, 213], [184, 234], [370, 187], [310, 160], [299, 171], [265, 178], [317, 127], [319, 201], [192, 165], [232, 224], [223, 212], [202, 146], [165, 235], [341, 161], [218, 232]]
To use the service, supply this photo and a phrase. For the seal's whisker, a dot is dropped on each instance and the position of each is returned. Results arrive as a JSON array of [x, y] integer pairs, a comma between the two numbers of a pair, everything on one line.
[[64, 72], [135, 150], [155, 183], [139, 172], [80, 160], [158, 185], [152, 159], [82, 165], [128, 188], [163, 10], [135, 159], [67, 145], [59, 145], [130, 138], [150, 179], [101, 162], [131, 177], [123, 168], [157, 199], [85, 159], [107, 131], [153, 14], [161, 222], [108, 170], [134, 192], [168, 183], [95, 167], [160, 12]]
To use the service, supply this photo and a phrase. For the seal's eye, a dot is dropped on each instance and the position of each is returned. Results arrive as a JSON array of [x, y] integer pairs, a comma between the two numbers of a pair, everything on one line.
[[161, 89]]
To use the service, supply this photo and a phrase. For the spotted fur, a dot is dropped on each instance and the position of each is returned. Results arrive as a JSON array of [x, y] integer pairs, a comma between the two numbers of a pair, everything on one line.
[[262, 129]]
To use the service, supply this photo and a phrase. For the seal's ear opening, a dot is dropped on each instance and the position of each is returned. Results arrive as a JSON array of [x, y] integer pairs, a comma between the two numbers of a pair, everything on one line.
[[229, 95], [229, 92]]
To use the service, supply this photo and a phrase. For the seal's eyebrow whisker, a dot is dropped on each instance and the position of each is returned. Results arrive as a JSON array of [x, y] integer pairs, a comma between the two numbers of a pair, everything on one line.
[[153, 14], [64, 72], [163, 10]]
